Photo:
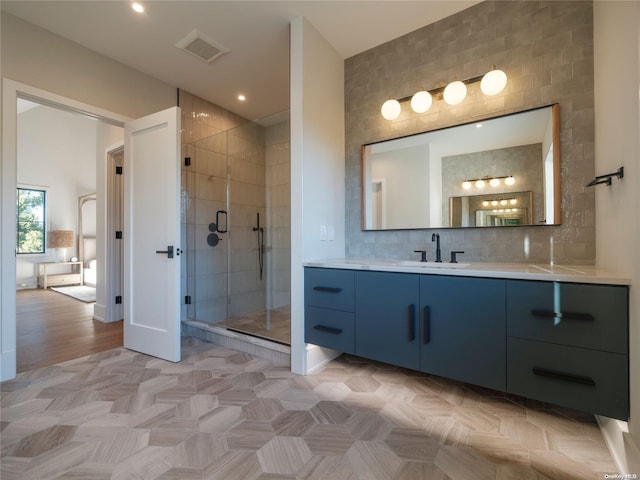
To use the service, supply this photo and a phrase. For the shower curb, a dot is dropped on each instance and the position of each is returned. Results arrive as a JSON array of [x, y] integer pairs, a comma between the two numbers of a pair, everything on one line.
[[279, 355]]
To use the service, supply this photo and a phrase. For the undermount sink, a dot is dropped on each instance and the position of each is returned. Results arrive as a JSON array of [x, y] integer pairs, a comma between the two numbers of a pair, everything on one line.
[[414, 263]]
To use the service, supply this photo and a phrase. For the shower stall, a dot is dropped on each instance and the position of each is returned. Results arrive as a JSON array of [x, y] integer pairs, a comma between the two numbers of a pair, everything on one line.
[[236, 227]]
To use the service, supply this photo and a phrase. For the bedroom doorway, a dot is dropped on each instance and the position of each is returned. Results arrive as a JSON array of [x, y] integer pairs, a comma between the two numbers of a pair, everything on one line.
[[70, 154]]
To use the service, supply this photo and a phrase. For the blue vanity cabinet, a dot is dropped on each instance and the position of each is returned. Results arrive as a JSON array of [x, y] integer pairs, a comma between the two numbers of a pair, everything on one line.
[[329, 308], [387, 323], [567, 344], [463, 329]]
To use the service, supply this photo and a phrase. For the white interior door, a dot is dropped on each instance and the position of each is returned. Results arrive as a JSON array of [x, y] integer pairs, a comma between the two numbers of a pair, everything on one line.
[[152, 225]]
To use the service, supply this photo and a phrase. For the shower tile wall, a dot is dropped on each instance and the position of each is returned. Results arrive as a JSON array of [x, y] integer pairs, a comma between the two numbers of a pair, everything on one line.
[[278, 236]]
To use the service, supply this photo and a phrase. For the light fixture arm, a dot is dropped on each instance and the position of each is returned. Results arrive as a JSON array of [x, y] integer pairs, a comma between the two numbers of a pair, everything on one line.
[[438, 91], [491, 83]]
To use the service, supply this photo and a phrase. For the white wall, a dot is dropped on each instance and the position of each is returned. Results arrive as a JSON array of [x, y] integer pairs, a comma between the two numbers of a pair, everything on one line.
[[107, 136], [56, 150], [407, 180], [49, 66], [617, 109], [317, 169], [39, 58]]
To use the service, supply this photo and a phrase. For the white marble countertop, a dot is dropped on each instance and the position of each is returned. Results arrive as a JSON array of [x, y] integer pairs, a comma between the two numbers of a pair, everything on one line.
[[521, 271]]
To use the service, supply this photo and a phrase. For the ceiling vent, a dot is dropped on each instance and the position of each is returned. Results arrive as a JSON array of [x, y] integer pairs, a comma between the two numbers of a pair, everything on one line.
[[201, 46]]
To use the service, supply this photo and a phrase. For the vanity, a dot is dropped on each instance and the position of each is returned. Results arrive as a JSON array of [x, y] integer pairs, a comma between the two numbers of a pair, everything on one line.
[[550, 333]]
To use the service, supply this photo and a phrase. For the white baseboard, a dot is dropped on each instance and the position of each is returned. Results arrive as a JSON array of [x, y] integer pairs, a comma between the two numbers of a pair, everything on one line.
[[100, 312], [8, 365], [622, 447], [318, 357]]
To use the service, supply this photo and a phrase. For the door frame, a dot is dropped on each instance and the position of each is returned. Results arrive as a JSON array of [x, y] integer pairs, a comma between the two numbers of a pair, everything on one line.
[[11, 91]]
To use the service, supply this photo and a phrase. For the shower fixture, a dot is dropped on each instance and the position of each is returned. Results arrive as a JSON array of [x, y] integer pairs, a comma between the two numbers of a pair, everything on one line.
[[260, 238]]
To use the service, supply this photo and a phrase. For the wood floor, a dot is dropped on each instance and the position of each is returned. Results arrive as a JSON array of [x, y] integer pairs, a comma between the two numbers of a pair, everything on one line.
[[53, 328], [222, 414]]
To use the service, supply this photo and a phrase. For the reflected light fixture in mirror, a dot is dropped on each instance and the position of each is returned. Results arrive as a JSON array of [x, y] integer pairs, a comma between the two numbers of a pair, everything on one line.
[[493, 181], [491, 83]]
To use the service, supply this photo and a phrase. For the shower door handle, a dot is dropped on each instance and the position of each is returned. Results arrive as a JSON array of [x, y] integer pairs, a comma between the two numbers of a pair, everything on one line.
[[218, 228], [168, 251]]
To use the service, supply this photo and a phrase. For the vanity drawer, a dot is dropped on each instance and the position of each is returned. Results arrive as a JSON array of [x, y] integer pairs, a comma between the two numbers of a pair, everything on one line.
[[593, 316], [587, 380], [330, 328], [329, 288]]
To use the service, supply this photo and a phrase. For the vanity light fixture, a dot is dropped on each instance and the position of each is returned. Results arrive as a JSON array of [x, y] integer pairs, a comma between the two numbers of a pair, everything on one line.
[[491, 83], [492, 181], [391, 109], [421, 101], [455, 92], [499, 201]]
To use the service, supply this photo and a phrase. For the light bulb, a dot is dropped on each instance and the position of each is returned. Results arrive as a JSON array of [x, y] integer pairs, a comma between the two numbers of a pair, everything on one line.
[[494, 182], [493, 82], [480, 184], [421, 101], [137, 7], [509, 181], [455, 92], [513, 201], [494, 202], [466, 184], [507, 209], [391, 109], [503, 202], [485, 203], [495, 210]]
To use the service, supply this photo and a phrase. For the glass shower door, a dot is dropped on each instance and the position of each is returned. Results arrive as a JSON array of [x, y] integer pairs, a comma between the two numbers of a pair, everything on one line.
[[210, 226]]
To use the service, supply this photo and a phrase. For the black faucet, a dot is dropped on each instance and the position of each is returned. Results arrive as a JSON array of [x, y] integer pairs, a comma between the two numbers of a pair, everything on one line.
[[453, 255], [436, 238], [423, 255]]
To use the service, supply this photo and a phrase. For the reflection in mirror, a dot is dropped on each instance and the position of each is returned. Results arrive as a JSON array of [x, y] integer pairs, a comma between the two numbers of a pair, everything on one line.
[[491, 210], [439, 179]]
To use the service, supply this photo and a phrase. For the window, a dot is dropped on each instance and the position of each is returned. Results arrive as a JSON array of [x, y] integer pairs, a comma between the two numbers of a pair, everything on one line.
[[31, 215]]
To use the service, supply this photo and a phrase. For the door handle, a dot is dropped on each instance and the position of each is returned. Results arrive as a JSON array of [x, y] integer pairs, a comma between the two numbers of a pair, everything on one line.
[[168, 251], [219, 228]]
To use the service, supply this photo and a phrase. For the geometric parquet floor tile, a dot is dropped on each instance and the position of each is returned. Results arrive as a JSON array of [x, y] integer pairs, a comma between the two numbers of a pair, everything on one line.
[[222, 414]]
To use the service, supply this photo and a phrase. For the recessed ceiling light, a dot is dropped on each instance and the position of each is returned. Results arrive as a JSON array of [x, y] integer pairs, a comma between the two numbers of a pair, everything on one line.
[[242, 98], [137, 7], [478, 125]]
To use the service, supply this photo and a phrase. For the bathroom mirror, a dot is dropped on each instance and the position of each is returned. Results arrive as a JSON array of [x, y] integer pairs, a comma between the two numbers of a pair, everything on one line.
[[440, 179]]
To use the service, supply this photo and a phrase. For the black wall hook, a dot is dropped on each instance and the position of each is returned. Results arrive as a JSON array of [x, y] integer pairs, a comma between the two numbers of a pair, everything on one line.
[[606, 178]]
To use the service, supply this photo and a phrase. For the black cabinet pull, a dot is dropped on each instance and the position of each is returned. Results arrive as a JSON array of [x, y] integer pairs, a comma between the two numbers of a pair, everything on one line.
[[412, 322], [567, 377], [563, 315], [324, 328], [425, 325], [320, 288]]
